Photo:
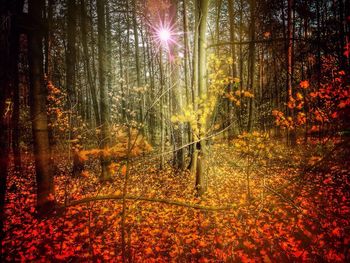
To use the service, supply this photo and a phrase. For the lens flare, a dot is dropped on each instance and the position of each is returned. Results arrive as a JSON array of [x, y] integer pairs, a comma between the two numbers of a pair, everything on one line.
[[164, 34]]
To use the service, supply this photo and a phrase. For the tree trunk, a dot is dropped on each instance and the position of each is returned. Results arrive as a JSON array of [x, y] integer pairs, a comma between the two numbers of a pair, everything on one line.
[[14, 54], [71, 52], [104, 134], [44, 177], [292, 132], [230, 110], [187, 70], [179, 155], [251, 63], [109, 54], [137, 62], [121, 73], [201, 64], [162, 111], [5, 103], [86, 56]]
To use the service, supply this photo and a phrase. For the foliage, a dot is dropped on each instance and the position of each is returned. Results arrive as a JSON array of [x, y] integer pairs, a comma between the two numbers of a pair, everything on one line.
[[327, 105], [61, 121], [198, 115], [308, 223], [126, 145]]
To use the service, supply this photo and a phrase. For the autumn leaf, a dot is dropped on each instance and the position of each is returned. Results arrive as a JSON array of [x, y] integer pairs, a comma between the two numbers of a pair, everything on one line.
[[123, 170], [336, 232], [188, 240], [304, 84], [342, 105], [148, 251], [85, 174]]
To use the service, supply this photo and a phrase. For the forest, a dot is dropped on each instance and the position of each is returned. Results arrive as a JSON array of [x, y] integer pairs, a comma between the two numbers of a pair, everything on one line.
[[174, 131]]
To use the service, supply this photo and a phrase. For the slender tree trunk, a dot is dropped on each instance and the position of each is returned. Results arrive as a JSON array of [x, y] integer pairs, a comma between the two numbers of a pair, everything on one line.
[[71, 52], [162, 111], [251, 64], [109, 56], [231, 131], [176, 98], [187, 70], [152, 113], [86, 56], [137, 62], [240, 111], [104, 134], [217, 25], [292, 132], [71, 77], [121, 73], [44, 177], [200, 62]]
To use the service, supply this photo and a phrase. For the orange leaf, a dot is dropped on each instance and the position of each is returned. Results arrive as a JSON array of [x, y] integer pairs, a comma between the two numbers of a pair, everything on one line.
[[85, 174], [304, 84], [188, 240], [342, 105], [148, 251], [203, 260], [123, 170], [202, 244]]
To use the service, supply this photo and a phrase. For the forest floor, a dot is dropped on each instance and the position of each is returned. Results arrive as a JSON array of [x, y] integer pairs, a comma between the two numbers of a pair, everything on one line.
[[298, 210]]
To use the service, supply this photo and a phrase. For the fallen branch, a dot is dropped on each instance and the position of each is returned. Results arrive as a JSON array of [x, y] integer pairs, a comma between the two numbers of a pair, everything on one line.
[[147, 199], [284, 198]]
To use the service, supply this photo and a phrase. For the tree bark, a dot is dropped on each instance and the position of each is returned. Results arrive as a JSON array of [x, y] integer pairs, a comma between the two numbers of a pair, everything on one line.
[[104, 133], [86, 56], [71, 52], [251, 63], [44, 177], [201, 64], [179, 155], [14, 54], [5, 103], [137, 62], [292, 132]]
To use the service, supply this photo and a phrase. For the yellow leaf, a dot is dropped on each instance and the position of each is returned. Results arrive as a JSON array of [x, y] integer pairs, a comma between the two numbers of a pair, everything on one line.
[[174, 119], [299, 96]]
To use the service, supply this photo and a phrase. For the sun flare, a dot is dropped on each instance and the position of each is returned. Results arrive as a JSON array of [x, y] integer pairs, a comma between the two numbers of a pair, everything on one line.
[[164, 34]]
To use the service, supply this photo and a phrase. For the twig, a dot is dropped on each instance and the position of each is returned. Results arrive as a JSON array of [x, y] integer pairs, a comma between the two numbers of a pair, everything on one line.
[[148, 199]]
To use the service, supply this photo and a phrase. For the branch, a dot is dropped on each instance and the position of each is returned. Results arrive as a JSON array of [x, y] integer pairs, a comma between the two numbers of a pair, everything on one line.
[[270, 40], [147, 199]]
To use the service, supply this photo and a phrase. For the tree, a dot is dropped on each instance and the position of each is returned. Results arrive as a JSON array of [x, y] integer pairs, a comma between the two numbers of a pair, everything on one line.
[[289, 65], [44, 176], [251, 62], [200, 84], [71, 52], [179, 155], [4, 108], [102, 73]]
